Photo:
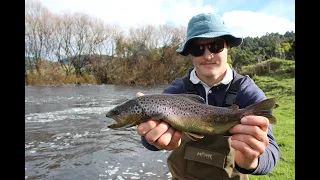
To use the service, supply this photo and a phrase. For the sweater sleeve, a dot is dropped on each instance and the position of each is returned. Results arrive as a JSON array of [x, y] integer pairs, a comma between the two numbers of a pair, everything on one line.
[[147, 145]]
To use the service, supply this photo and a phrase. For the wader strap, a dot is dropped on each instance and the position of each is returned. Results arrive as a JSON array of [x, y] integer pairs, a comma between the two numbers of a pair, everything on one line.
[[189, 85], [232, 91]]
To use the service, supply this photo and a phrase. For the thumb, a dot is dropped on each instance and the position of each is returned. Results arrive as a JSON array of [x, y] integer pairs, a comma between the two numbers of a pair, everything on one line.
[[139, 94]]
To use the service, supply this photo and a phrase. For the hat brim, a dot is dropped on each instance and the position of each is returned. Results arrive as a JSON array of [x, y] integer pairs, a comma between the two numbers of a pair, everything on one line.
[[234, 41]]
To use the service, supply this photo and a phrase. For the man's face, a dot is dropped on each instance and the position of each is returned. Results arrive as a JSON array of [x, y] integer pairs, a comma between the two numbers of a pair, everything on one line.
[[208, 64]]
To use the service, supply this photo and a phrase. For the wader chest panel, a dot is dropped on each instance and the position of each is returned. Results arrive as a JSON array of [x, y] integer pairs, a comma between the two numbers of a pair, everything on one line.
[[210, 158], [186, 163], [230, 95], [204, 156]]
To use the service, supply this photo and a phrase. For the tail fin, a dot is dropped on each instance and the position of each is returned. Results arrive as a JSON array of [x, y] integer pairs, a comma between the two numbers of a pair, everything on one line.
[[264, 108]]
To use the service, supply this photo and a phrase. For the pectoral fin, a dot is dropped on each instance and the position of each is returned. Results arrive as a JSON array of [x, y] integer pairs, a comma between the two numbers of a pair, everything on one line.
[[194, 136]]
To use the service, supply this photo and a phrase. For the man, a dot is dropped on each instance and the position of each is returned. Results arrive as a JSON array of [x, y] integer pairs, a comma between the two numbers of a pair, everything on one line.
[[251, 148]]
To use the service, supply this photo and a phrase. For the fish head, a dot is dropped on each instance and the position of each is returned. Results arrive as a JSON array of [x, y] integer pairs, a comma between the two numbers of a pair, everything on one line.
[[125, 115]]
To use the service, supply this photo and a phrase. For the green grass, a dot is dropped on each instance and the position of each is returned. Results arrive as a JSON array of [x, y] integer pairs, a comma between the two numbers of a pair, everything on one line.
[[284, 129]]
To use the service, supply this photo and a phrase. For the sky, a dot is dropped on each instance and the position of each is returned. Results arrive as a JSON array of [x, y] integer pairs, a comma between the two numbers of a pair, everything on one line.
[[244, 18]]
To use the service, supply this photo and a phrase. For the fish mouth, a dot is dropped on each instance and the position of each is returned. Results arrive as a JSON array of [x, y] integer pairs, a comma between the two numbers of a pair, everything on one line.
[[116, 125], [121, 124], [121, 121], [114, 117], [118, 122]]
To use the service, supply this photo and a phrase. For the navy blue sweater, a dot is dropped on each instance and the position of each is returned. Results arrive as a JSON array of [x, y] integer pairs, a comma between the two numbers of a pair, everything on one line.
[[248, 93]]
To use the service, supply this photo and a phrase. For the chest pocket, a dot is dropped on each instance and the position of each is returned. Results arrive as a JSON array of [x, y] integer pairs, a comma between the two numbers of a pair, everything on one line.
[[205, 156], [210, 158]]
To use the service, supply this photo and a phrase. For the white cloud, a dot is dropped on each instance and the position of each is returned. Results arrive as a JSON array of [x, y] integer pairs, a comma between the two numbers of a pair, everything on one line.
[[132, 13], [129, 13], [247, 23]]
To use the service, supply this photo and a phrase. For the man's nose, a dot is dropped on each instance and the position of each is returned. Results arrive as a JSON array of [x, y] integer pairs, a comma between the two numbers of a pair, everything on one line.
[[207, 54]]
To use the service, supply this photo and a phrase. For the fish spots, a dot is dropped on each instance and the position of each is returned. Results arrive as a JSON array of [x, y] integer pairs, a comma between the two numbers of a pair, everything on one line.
[[179, 109], [136, 109]]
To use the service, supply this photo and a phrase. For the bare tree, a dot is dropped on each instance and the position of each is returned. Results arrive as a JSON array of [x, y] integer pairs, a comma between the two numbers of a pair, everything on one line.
[[169, 37], [120, 44], [64, 47], [37, 33], [165, 34], [140, 41], [98, 34], [81, 42], [179, 36]]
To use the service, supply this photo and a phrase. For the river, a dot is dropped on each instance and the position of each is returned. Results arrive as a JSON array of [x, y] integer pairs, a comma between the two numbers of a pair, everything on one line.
[[66, 135]]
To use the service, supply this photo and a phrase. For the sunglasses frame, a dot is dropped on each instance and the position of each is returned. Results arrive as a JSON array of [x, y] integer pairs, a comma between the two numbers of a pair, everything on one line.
[[199, 49]]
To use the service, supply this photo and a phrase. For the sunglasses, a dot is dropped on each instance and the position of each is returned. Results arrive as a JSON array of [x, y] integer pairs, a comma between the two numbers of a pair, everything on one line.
[[198, 49]]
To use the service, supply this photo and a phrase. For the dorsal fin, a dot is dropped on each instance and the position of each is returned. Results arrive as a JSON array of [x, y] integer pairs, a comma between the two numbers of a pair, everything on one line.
[[232, 107], [235, 107], [194, 97]]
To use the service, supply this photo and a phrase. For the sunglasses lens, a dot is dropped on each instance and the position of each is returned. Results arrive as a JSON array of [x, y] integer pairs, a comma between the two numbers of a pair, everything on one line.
[[216, 46], [198, 49]]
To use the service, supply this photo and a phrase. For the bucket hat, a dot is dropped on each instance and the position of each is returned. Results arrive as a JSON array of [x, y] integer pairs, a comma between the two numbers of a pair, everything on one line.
[[207, 25]]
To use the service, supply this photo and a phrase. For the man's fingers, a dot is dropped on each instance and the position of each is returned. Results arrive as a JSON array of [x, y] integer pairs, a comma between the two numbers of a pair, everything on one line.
[[153, 135], [251, 141], [175, 140], [245, 149], [254, 131], [260, 121], [145, 127], [165, 138]]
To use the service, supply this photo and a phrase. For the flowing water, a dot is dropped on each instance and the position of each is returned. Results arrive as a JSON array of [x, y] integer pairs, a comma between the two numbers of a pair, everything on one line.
[[66, 135]]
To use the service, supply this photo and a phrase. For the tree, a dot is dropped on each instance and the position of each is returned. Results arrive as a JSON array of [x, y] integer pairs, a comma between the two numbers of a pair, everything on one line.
[[37, 34]]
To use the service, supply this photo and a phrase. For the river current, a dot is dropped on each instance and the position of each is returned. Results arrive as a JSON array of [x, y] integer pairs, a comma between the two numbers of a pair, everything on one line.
[[66, 135]]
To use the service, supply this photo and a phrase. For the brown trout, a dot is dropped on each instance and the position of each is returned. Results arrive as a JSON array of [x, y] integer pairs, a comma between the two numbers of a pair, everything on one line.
[[186, 112]]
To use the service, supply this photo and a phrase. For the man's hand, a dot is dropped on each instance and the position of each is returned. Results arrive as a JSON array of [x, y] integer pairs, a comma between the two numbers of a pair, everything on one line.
[[249, 140], [160, 134]]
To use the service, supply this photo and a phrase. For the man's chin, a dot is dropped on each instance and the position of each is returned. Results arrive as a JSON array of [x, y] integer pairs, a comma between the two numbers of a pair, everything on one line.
[[209, 71]]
